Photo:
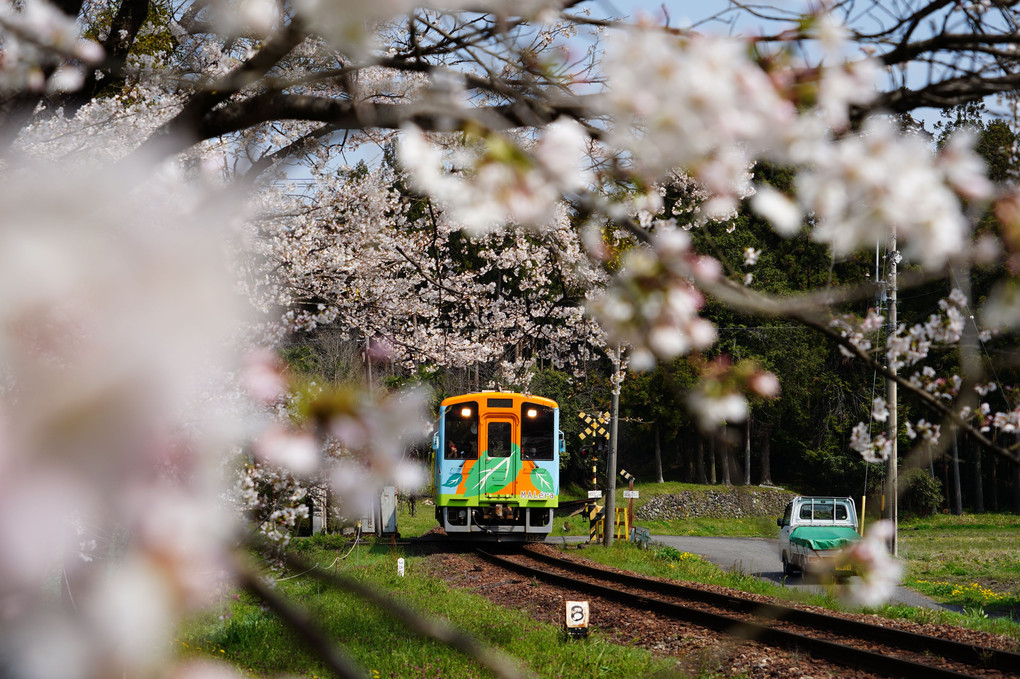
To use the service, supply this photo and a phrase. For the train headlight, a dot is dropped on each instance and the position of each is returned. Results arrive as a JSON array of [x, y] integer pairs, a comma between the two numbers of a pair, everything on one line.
[[465, 412], [532, 412]]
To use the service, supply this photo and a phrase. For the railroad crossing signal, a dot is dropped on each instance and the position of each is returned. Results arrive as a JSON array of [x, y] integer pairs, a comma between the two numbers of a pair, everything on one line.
[[596, 425]]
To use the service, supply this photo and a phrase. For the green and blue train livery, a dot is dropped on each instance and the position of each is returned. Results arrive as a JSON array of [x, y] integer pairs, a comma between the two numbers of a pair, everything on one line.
[[497, 462]]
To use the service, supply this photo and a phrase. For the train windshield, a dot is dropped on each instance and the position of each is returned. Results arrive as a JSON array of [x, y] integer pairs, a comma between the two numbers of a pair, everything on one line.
[[461, 432], [499, 439], [538, 432]]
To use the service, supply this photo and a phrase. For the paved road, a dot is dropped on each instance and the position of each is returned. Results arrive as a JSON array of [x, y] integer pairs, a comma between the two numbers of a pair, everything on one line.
[[760, 557]]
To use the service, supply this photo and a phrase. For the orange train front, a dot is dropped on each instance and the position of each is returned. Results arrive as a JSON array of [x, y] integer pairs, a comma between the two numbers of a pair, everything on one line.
[[497, 462]]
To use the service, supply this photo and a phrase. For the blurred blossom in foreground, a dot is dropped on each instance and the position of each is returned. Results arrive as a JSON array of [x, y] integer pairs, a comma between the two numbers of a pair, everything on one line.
[[499, 182], [37, 36], [116, 314], [878, 571], [337, 436], [652, 304], [720, 397]]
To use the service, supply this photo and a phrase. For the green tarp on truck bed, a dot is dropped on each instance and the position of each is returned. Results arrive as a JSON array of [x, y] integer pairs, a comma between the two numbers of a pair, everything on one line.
[[823, 537]]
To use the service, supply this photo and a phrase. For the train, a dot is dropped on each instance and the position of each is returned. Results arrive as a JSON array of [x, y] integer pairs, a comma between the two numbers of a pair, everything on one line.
[[497, 466]]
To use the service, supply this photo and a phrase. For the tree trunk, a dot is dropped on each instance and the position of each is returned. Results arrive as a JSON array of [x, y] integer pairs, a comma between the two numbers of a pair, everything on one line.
[[995, 484], [957, 493], [700, 460], [684, 459], [979, 490], [1016, 489], [712, 477], [724, 459], [658, 456], [766, 464], [747, 452], [1016, 485]]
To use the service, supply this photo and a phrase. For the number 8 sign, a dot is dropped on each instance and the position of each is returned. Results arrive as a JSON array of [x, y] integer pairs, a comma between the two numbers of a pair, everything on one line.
[[577, 614]]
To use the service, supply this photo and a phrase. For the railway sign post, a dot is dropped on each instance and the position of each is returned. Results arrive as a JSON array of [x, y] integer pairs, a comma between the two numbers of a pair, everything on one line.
[[629, 494], [596, 425], [596, 429], [577, 619]]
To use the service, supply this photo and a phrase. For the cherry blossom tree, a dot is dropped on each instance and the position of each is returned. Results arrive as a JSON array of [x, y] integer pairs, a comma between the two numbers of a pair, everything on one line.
[[151, 149], [392, 267]]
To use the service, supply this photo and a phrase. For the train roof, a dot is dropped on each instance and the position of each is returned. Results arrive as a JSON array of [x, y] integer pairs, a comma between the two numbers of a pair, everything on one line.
[[518, 398]]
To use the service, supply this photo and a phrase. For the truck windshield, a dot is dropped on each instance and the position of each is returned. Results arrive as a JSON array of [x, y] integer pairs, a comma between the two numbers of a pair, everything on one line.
[[823, 511]]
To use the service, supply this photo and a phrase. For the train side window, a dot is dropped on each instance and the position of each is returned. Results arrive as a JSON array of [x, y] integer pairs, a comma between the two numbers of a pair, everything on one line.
[[461, 432], [499, 439], [538, 432]]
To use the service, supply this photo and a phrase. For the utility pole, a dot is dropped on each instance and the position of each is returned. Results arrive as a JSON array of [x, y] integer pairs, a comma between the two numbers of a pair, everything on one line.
[[892, 490], [611, 461]]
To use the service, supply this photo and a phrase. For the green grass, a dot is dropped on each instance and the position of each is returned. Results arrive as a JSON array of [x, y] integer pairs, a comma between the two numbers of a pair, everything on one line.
[[252, 639], [975, 555], [670, 563], [737, 527], [954, 559], [970, 561]]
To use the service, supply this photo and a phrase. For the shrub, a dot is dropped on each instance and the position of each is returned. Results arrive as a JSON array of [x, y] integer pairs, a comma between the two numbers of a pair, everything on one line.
[[921, 493]]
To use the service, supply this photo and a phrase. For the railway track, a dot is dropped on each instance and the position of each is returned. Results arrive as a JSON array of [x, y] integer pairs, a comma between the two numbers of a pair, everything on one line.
[[872, 648]]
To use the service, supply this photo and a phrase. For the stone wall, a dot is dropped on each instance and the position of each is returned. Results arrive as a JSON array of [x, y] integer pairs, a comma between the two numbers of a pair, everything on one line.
[[739, 501]]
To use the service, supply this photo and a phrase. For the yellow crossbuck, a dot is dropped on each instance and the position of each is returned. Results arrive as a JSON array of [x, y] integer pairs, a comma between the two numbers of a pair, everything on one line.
[[595, 425]]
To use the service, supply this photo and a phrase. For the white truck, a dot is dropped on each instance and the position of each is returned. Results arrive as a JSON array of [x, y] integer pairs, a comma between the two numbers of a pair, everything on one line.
[[814, 530]]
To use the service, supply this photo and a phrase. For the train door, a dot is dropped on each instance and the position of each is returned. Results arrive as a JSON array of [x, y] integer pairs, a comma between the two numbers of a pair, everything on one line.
[[499, 465]]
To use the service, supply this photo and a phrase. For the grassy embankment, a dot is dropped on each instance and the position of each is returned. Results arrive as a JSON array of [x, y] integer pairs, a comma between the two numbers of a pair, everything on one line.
[[969, 561], [972, 561], [252, 639]]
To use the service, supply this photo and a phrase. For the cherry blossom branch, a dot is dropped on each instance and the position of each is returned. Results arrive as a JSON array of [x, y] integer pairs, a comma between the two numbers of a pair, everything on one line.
[[349, 115], [303, 626], [749, 301], [182, 127]]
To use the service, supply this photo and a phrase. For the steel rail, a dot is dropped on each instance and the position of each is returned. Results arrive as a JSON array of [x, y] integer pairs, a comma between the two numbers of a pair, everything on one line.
[[819, 648], [970, 654]]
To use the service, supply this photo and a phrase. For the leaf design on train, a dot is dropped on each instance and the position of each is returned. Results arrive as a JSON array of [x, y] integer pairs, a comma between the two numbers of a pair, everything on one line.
[[496, 475], [542, 479]]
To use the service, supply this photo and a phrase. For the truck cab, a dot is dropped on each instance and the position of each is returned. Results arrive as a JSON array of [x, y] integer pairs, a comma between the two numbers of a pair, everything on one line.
[[814, 530]]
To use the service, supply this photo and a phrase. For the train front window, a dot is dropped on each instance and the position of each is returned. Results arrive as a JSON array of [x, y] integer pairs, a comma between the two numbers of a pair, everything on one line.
[[499, 439], [538, 435], [461, 432]]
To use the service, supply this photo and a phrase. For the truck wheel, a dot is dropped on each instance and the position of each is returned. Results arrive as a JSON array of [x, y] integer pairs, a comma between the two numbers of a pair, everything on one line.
[[788, 570]]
